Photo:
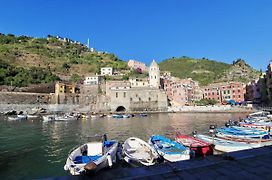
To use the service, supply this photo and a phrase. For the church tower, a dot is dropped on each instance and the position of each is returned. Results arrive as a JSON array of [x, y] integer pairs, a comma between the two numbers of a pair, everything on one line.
[[154, 75]]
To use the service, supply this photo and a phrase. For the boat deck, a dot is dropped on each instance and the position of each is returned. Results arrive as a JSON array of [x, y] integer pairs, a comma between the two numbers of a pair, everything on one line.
[[247, 164]]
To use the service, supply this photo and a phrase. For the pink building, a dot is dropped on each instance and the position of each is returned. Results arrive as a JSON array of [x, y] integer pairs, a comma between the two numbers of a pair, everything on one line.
[[181, 91], [136, 65], [225, 91], [253, 92]]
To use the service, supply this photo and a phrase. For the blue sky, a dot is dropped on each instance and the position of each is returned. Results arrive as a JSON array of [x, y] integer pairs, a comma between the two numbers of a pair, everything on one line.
[[222, 30]]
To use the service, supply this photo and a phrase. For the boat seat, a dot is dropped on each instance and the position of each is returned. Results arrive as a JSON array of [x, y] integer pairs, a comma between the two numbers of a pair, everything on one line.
[[131, 150], [85, 159], [95, 149]]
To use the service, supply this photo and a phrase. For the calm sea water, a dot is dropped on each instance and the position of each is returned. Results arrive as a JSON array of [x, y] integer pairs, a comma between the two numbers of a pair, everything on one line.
[[32, 149]]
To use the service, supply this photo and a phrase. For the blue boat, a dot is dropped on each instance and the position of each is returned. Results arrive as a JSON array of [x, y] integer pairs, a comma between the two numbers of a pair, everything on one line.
[[168, 149], [242, 132], [117, 116]]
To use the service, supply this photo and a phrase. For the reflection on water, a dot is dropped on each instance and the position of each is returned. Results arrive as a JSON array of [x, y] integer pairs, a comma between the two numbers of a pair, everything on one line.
[[34, 149]]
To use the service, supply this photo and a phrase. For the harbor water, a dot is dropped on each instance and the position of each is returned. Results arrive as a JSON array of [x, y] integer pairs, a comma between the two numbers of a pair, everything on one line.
[[31, 149]]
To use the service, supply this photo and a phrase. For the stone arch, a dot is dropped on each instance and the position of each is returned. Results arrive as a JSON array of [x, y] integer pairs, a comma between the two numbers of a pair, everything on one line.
[[120, 109]]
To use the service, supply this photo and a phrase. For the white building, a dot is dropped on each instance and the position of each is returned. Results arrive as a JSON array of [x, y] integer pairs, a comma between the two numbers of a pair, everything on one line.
[[106, 71], [92, 80], [154, 75]]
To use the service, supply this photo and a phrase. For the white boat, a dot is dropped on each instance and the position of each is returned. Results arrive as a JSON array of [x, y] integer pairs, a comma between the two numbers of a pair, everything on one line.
[[137, 152], [65, 118], [32, 116], [91, 157], [224, 145], [18, 117], [48, 118]]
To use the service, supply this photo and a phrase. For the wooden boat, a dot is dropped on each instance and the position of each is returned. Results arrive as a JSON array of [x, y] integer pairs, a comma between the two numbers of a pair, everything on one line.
[[137, 151], [255, 143], [267, 126], [224, 145], [168, 149], [242, 132], [201, 148], [91, 157]]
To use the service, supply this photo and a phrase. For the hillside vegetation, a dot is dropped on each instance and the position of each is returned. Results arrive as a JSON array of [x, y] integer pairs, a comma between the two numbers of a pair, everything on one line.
[[52, 56], [208, 71]]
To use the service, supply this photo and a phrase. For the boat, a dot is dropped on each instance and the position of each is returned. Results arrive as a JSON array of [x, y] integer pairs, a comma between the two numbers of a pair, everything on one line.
[[48, 118], [91, 157], [255, 143], [224, 145], [66, 117], [117, 116], [126, 115], [242, 132], [267, 126], [168, 149], [137, 151], [18, 117], [200, 148]]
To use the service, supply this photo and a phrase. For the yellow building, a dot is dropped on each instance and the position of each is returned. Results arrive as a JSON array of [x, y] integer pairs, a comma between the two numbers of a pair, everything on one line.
[[65, 88]]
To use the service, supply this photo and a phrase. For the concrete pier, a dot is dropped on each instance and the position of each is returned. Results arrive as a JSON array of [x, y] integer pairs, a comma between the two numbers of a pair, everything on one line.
[[248, 164]]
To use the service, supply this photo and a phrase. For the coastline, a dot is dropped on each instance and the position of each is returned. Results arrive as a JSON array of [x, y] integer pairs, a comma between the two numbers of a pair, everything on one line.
[[86, 109]]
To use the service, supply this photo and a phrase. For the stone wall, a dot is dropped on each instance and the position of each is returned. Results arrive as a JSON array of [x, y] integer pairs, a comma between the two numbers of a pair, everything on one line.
[[24, 98]]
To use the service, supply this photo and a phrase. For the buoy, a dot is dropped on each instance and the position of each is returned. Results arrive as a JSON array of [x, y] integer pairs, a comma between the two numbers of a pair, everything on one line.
[[109, 160], [65, 168]]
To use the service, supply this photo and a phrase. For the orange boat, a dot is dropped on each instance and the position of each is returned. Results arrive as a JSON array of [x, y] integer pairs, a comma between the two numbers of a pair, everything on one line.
[[201, 148]]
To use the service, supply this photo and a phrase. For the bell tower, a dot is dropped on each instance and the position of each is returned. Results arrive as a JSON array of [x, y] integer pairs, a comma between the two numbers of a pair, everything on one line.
[[154, 75]]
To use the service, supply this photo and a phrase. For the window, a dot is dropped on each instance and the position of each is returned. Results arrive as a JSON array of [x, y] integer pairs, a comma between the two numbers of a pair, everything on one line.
[[124, 94], [116, 94], [136, 95], [130, 99], [140, 99], [149, 99]]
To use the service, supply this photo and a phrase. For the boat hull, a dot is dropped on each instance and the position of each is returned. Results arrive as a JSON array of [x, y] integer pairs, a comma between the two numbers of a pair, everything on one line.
[[91, 157], [200, 148], [168, 149]]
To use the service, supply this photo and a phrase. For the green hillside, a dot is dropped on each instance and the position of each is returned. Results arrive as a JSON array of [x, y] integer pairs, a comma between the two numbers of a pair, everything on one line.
[[208, 71], [54, 57]]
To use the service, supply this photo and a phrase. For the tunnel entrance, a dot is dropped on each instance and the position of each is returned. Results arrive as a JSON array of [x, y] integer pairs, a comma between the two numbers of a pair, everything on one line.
[[120, 109]]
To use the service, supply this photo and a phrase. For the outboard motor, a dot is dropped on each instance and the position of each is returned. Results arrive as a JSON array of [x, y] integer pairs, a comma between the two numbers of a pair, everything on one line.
[[227, 124], [212, 128], [194, 133], [105, 137]]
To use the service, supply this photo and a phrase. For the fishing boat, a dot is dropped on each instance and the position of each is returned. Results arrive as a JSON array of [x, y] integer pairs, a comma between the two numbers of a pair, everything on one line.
[[137, 151], [224, 145], [255, 143], [242, 132], [201, 148], [91, 157], [168, 149], [267, 126]]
